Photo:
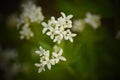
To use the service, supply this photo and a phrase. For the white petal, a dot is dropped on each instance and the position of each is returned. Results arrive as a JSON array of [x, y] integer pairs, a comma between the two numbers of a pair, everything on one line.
[[52, 18], [44, 62], [54, 54], [63, 14], [69, 16], [57, 60], [44, 24], [52, 36], [39, 70], [37, 65], [59, 41], [47, 53], [52, 61], [44, 30], [40, 48], [60, 52], [62, 58], [38, 52], [71, 40], [73, 35], [49, 66], [48, 33]]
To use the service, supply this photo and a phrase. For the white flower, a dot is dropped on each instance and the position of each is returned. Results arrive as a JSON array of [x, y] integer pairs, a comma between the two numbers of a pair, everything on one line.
[[26, 32], [68, 35], [41, 51], [68, 22], [52, 32], [32, 12], [93, 20], [58, 56], [41, 67], [78, 25], [58, 39], [52, 23], [48, 62], [56, 29]]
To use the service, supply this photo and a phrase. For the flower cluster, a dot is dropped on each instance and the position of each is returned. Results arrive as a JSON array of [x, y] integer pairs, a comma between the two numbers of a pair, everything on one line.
[[31, 13], [47, 60], [93, 20], [59, 29]]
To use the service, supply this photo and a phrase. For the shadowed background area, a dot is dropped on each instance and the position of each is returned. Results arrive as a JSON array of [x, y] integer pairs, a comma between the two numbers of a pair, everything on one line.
[[94, 54]]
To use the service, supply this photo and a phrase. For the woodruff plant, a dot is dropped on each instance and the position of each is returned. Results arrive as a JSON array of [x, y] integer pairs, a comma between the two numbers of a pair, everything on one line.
[[58, 30]]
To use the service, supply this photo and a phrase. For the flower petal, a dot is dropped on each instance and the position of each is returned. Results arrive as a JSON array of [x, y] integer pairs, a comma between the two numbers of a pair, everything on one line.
[[54, 54], [60, 52], [62, 58], [49, 66], [37, 65]]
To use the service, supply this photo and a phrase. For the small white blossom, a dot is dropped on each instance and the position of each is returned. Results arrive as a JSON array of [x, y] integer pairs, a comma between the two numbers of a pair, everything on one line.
[[58, 56], [78, 25], [58, 39], [52, 32], [56, 29], [52, 23], [68, 22], [41, 67], [26, 32], [41, 51], [93, 20], [48, 62], [68, 35]]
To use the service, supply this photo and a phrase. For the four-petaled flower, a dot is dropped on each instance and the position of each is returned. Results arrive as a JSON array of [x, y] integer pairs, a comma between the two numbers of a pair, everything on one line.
[[58, 56], [41, 67], [68, 35], [41, 51], [93, 20]]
